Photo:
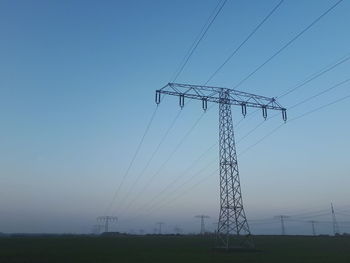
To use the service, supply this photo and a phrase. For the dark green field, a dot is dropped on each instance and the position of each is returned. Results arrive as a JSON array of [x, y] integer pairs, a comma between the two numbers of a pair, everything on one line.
[[182, 249]]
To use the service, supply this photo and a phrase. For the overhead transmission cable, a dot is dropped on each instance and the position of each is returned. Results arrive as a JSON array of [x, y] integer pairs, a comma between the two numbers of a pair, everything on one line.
[[336, 85], [176, 197], [145, 187], [310, 212], [279, 51], [295, 118], [203, 32], [243, 42], [320, 93], [320, 107], [278, 127], [183, 174], [132, 161], [303, 83], [200, 37], [256, 127], [317, 75], [274, 55], [287, 44], [158, 147], [179, 187], [312, 77]]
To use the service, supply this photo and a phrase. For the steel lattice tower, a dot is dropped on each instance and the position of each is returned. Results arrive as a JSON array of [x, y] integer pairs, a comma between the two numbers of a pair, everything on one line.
[[282, 217], [106, 220], [232, 218], [335, 223], [233, 229], [202, 217]]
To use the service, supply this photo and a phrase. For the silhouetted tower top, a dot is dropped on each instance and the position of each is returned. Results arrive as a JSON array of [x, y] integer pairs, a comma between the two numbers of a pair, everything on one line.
[[202, 217], [107, 220]]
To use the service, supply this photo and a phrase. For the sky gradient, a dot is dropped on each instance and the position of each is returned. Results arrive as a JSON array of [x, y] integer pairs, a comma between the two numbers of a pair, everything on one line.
[[77, 82]]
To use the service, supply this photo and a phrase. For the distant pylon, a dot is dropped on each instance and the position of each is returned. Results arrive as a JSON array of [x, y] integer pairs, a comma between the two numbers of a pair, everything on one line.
[[202, 217], [106, 220], [313, 227], [335, 223], [283, 228], [177, 230], [96, 229], [160, 227]]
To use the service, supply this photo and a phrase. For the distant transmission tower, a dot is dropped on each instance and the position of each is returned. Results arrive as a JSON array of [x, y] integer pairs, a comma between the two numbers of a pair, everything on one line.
[[96, 229], [160, 227], [282, 217], [202, 217], [232, 219], [335, 223], [313, 227], [177, 230], [107, 220]]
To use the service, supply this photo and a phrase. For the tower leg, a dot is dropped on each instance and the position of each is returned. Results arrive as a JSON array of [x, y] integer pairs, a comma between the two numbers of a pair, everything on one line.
[[233, 229]]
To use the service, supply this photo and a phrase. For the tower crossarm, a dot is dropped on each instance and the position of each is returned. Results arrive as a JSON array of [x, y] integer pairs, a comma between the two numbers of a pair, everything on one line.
[[214, 94]]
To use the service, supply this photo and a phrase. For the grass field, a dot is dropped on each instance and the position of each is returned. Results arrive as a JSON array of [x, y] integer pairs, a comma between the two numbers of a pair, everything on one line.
[[165, 249]]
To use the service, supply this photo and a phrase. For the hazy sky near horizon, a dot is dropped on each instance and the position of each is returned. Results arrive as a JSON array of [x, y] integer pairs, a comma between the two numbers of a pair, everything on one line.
[[77, 83]]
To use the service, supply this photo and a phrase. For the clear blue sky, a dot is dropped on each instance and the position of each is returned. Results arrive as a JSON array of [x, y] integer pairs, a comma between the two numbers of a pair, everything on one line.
[[77, 82]]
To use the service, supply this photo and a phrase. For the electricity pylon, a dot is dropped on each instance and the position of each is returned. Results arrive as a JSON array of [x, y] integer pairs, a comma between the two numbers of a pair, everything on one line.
[[335, 223], [96, 229], [232, 219], [202, 217], [313, 222], [282, 217], [177, 230], [106, 220], [160, 227]]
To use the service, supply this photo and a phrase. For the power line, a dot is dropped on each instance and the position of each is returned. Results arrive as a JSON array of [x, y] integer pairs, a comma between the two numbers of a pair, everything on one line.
[[320, 93], [308, 213], [158, 147], [203, 33], [256, 127], [277, 128], [189, 54], [251, 131], [197, 38], [184, 173], [317, 75], [293, 119], [286, 47], [244, 41], [296, 105], [177, 196], [153, 154], [132, 160], [164, 201], [287, 44], [312, 77], [321, 107], [169, 157]]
